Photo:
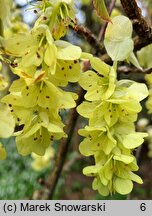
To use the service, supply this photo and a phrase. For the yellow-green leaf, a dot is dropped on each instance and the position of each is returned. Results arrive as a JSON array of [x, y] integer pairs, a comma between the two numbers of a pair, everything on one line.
[[7, 122], [118, 41], [2, 152], [101, 9], [123, 186]]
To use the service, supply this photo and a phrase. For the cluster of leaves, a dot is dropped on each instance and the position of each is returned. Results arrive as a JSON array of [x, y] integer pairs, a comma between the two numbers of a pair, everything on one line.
[[112, 108], [43, 65]]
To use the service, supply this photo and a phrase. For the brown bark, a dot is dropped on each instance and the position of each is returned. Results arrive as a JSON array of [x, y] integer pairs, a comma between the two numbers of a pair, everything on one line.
[[141, 27]]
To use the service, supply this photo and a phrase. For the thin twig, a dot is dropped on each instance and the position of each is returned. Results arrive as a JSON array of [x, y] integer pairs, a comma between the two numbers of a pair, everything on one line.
[[131, 69], [139, 42], [103, 28], [138, 153], [90, 37]]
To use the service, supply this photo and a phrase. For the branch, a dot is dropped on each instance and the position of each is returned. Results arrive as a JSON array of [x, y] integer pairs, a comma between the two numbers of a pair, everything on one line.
[[90, 37], [50, 183], [130, 69], [139, 42], [94, 42], [143, 30]]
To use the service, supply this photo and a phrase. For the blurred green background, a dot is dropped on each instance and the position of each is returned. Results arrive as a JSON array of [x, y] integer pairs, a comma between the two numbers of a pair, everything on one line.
[[19, 181]]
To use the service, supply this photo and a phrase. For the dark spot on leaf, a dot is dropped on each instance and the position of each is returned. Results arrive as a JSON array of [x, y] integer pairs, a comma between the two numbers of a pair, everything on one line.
[[18, 128], [90, 137], [27, 87], [44, 18], [70, 67], [35, 138], [62, 68], [47, 97], [13, 65], [51, 138], [35, 112], [38, 56]]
